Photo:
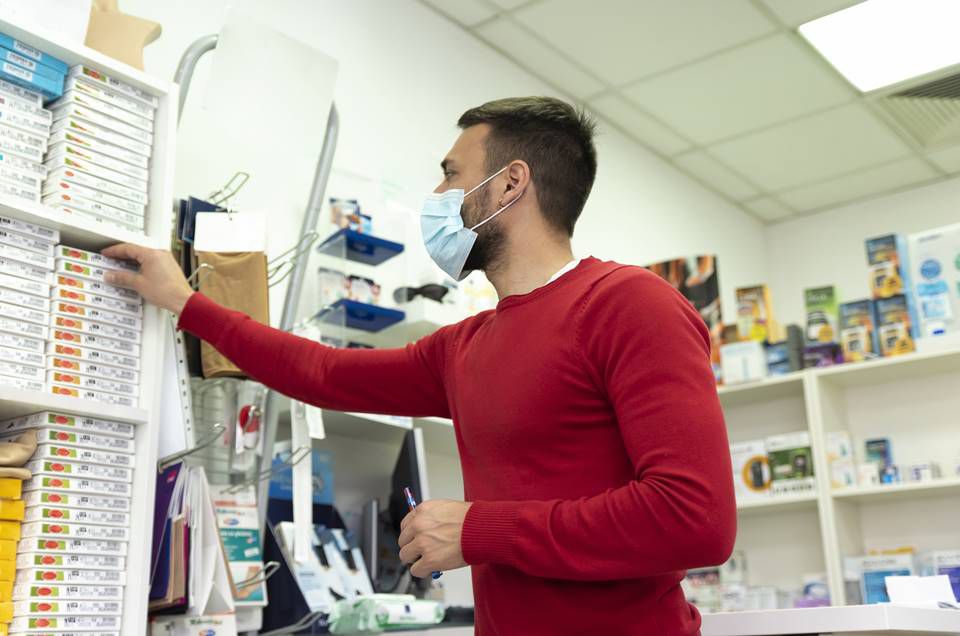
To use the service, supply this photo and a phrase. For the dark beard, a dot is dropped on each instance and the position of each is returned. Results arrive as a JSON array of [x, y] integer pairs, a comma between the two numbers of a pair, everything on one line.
[[491, 239]]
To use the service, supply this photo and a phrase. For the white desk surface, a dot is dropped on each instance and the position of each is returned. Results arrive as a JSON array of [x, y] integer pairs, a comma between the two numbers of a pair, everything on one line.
[[854, 620]]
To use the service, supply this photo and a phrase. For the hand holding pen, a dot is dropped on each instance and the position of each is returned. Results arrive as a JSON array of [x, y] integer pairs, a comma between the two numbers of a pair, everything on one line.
[[411, 506]]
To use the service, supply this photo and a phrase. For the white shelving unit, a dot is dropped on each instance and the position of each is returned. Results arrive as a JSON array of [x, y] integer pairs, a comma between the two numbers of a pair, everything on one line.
[[94, 236]]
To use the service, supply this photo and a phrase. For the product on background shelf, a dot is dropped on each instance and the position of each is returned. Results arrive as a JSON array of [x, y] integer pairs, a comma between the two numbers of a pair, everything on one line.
[[921, 472], [840, 459], [786, 356], [822, 355], [363, 290], [894, 326], [743, 362], [345, 213], [887, 260], [751, 470], [821, 312], [943, 563], [878, 451], [791, 463], [875, 569], [755, 315], [858, 331], [868, 474], [935, 271]]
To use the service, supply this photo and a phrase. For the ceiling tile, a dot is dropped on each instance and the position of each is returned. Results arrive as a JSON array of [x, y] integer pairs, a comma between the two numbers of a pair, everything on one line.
[[625, 40], [768, 209], [948, 158], [466, 12], [509, 5], [538, 58], [812, 149], [715, 174], [793, 13], [769, 81], [642, 127], [859, 185]]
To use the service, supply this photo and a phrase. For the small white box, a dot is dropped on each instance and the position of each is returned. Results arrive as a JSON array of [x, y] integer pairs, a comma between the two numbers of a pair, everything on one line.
[[22, 150], [91, 143], [81, 270], [868, 474], [50, 421], [79, 438], [24, 285], [11, 190], [23, 343], [26, 314], [743, 362], [56, 163], [95, 370], [96, 342], [25, 242], [27, 166], [843, 473], [24, 371], [29, 329], [94, 356], [72, 546], [26, 121], [87, 394], [82, 153], [77, 213], [56, 452], [50, 576], [27, 301], [94, 328], [16, 135], [52, 560], [117, 319], [20, 383], [23, 609], [84, 113], [751, 470], [76, 501], [27, 97], [97, 287], [29, 272], [74, 531], [60, 187], [70, 592], [89, 128], [19, 356], [69, 378], [81, 84], [70, 484], [23, 179], [92, 258], [68, 625], [81, 99], [89, 181], [106, 82], [94, 207], [55, 514], [97, 301], [26, 257], [29, 229]]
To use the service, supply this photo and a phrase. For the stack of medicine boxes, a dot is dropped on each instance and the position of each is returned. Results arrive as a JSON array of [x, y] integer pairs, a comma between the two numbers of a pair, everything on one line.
[[71, 558], [11, 516], [26, 272], [96, 328], [99, 152]]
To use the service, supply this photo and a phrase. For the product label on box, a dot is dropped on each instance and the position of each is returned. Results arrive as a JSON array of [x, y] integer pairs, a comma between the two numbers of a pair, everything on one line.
[[15, 238], [88, 394], [98, 315], [53, 188], [24, 343], [63, 161], [70, 576], [98, 302], [72, 546], [96, 342], [14, 268], [25, 256], [73, 422], [26, 328], [103, 517], [74, 530], [66, 135], [89, 181], [97, 287], [29, 592], [77, 501], [97, 77], [65, 149], [31, 100], [95, 370], [81, 438], [60, 623], [93, 355], [80, 99], [71, 453], [25, 286], [67, 608], [95, 328], [19, 312], [93, 471], [91, 383], [100, 133], [74, 561], [69, 484], [82, 206], [19, 356], [92, 258], [81, 84], [110, 123]]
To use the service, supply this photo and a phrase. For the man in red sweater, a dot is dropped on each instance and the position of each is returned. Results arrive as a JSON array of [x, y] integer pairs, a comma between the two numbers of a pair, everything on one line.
[[595, 460]]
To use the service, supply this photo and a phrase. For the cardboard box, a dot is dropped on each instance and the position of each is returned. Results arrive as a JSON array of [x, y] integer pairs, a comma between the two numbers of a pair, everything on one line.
[[33, 591], [93, 356], [30, 64], [89, 181], [18, 136], [755, 314], [113, 85], [49, 420], [83, 153], [77, 213], [78, 111], [72, 546], [935, 270], [24, 371], [69, 484], [28, 301], [26, 257], [29, 272], [68, 378], [879, 451], [87, 394], [77, 500], [74, 268], [80, 140], [82, 99], [116, 319], [36, 55], [97, 301], [91, 129], [95, 370], [94, 328], [85, 86], [80, 438], [93, 259], [22, 179], [791, 463], [25, 97], [51, 576], [18, 356], [24, 285], [29, 329], [821, 311], [942, 563], [20, 164], [73, 163], [75, 561], [76, 469], [25, 314], [22, 150], [743, 362], [67, 608], [858, 331], [875, 569], [74, 531], [751, 470], [894, 326], [25, 121], [98, 288], [54, 452], [23, 343], [25, 242], [16, 74], [92, 208], [56, 188], [99, 517], [67, 625], [11, 190], [96, 342]]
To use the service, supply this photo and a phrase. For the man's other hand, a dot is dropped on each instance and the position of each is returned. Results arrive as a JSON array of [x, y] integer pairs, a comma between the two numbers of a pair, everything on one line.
[[430, 537], [160, 280]]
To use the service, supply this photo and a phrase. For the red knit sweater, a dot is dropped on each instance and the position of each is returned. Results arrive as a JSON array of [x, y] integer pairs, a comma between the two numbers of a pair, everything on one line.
[[591, 438]]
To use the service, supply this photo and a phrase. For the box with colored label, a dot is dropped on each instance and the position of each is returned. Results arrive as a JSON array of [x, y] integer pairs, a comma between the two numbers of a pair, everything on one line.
[[80, 437], [50, 420], [33, 591], [92, 355], [935, 270], [21, 312], [72, 109], [875, 569], [76, 469], [821, 311], [67, 576], [114, 85], [73, 561], [81, 99], [87, 382], [97, 301], [97, 287], [68, 136], [96, 314], [83, 153], [942, 563], [751, 470], [34, 54], [101, 133], [894, 326], [54, 452], [63, 161], [77, 485], [67, 608], [53, 514], [89, 181], [74, 531], [87, 86], [791, 463], [77, 501], [60, 187], [93, 259], [858, 331], [86, 394], [102, 343], [68, 625], [49, 545], [73, 323], [94, 370], [31, 64]]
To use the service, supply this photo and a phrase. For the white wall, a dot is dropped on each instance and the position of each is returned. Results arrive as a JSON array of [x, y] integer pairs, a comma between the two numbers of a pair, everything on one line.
[[828, 248]]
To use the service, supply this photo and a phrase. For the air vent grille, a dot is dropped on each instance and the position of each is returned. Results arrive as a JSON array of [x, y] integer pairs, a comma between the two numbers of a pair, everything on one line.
[[929, 113]]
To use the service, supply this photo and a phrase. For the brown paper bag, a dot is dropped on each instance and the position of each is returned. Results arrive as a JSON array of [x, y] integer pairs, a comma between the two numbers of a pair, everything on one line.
[[239, 282]]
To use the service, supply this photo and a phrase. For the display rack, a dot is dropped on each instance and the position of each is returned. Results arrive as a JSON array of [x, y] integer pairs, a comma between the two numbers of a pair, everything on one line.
[[94, 236]]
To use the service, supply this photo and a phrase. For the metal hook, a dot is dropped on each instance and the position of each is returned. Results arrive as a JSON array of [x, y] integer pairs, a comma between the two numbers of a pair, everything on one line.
[[229, 189], [196, 277], [268, 570], [295, 253], [215, 433], [295, 458], [306, 622]]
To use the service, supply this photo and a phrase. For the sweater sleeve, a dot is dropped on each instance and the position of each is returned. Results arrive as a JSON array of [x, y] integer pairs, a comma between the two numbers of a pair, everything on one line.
[[406, 381], [648, 351]]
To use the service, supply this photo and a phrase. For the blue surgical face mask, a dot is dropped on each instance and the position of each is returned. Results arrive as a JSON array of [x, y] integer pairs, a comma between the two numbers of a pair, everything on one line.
[[447, 240]]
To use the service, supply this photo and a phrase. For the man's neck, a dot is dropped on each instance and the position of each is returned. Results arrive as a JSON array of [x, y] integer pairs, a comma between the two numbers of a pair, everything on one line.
[[520, 271]]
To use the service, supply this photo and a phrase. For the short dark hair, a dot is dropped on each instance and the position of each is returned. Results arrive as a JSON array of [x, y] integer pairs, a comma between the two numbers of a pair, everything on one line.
[[556, 141]]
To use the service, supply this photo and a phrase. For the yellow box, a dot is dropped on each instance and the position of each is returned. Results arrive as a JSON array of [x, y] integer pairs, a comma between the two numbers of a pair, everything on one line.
[[8, 551], [11, 488], [9, 530], [11, 509], [6, 591], [8, 572], [4, 629], [6, 612]]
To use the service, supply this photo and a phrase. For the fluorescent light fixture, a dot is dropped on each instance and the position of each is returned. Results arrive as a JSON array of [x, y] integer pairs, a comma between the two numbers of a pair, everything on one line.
[[878, 43]]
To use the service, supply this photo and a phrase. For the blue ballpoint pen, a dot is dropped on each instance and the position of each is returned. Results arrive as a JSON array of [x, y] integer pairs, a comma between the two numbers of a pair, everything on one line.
[[412, 504]]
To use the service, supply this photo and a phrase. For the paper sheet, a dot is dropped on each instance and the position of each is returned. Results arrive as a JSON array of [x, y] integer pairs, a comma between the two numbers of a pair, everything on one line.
[[234, 232], [173, 436], [302, 488], [920, 590]]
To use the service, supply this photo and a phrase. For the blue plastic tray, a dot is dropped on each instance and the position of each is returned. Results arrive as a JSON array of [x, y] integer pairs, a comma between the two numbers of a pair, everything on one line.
[[361, 248], [360, 316]]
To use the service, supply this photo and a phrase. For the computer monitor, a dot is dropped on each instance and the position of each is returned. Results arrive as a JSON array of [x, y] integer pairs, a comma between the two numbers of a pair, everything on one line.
[[370, 537], [409, 471]]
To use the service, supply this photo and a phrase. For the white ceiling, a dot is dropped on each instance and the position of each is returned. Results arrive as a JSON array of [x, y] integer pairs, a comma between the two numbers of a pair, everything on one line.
[[726, 91]]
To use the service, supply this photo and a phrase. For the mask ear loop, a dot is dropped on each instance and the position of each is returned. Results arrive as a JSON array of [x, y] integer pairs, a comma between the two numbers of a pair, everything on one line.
[[484, 182], [492, 216]]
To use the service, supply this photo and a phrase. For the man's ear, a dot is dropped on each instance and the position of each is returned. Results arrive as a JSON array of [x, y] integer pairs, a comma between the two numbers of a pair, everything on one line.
[[518, 180]]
